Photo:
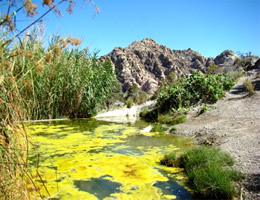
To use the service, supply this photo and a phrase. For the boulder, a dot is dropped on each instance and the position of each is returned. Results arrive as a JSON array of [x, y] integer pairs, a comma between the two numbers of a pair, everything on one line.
[[226, 58]]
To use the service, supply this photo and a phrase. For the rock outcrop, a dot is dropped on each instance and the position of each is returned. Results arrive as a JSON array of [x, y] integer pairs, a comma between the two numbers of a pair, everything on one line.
[[226, 58], [146, 63]]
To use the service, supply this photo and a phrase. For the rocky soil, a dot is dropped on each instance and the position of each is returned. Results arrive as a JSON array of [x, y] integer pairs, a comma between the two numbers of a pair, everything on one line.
[[234, 126]]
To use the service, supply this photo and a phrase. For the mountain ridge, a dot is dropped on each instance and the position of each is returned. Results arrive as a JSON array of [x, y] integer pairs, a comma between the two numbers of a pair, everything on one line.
[[146, 63]]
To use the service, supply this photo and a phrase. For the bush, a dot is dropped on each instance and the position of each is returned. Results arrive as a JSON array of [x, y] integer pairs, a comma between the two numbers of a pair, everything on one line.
[[205, 108], [129, 102], [213, 69], [249, 86], [188, 91], [177, 118], [170, 160], [136, 94], [209, 171], [150, 115]]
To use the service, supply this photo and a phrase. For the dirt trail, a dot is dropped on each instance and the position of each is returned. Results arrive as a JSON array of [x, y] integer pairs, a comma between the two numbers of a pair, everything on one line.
[[234, 126]]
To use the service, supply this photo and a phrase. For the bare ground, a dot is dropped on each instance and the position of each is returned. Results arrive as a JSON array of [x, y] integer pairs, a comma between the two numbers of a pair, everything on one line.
[[234, 126]]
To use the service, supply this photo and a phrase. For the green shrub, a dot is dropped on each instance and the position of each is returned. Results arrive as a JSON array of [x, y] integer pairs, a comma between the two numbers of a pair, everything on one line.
[[177, 118], [213, 69], [149, 115], [158, 128], [249, 86], [205, 108], [209, 171], [188, 91], [170, 160], [129, 102], [138, 95]]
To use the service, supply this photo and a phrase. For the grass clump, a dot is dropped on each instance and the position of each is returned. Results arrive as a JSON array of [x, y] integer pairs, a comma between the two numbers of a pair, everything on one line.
[[249, 86], [209, 171], [170, 160], [174, 119]]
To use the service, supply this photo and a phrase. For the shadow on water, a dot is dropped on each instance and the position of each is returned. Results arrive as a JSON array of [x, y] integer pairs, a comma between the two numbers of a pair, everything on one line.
[[170, 187], [99, 187]]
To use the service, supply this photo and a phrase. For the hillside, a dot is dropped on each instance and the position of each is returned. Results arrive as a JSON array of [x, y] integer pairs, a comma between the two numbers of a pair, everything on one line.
[[146, 63], [234, 126]]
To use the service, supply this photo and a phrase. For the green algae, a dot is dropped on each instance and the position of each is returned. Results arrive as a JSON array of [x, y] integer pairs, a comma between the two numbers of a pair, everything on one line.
[[73, 158]]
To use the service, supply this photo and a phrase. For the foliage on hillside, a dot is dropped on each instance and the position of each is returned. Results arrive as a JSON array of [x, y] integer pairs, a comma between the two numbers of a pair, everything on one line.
[[198, 87], [176, 97]]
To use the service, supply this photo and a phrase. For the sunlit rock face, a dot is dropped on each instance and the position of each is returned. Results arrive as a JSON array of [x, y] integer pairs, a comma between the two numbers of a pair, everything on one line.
[[146, 63], [226, 58], [87, 159]]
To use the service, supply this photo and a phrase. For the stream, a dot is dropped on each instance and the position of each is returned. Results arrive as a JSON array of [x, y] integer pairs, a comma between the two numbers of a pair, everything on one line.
[[90, 159]]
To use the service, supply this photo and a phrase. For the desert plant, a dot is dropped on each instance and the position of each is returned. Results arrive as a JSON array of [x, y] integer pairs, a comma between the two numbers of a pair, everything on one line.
[[249, 86], [236, 74]]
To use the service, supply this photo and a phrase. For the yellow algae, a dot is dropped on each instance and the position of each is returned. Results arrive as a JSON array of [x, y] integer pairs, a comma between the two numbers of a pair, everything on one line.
[[169, 196], [150, 133], [69, 155]]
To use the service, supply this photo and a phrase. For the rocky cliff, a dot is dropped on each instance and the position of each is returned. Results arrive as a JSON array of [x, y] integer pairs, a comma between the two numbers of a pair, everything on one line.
[[146, 63]]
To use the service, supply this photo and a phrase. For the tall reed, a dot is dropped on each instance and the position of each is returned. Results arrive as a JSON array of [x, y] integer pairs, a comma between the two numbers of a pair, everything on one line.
[[43, 83]]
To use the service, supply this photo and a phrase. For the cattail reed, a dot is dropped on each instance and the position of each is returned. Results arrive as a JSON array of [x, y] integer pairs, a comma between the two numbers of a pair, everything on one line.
[[48, 57], [57, 49]]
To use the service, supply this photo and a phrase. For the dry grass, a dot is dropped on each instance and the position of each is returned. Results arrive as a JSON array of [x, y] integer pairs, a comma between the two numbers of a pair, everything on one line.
[[249, 86]]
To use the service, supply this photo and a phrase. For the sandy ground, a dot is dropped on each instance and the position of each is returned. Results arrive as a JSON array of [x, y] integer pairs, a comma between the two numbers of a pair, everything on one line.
[[234, 126]]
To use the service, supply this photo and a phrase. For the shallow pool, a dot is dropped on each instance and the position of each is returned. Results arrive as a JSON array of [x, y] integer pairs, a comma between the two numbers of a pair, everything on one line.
[[90, 159]]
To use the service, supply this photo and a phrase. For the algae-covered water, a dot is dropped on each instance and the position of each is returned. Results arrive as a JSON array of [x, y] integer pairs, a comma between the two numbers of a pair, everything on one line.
[[89, 159]]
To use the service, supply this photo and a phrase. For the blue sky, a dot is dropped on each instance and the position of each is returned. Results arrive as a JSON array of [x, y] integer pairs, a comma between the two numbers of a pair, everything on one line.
[[206, 26]]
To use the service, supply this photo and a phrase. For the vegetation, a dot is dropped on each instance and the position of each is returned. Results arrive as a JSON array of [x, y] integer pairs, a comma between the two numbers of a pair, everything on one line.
[[193, 89], [249, 86], [137, 95], [129, 102], [205, 108], [236, 74], [174, 99], [245, 60], [209, 171], [213, 69], [34, 81], [57, 81]]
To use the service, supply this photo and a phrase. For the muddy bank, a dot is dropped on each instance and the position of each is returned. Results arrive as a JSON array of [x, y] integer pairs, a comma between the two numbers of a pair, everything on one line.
[[234, 126]]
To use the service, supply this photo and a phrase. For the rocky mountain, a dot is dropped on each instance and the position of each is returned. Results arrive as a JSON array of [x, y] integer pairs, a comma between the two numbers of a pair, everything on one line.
[[146, 63]]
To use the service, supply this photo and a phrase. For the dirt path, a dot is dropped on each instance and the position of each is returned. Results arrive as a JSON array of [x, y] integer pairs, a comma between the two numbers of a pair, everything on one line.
[[234, 126]]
